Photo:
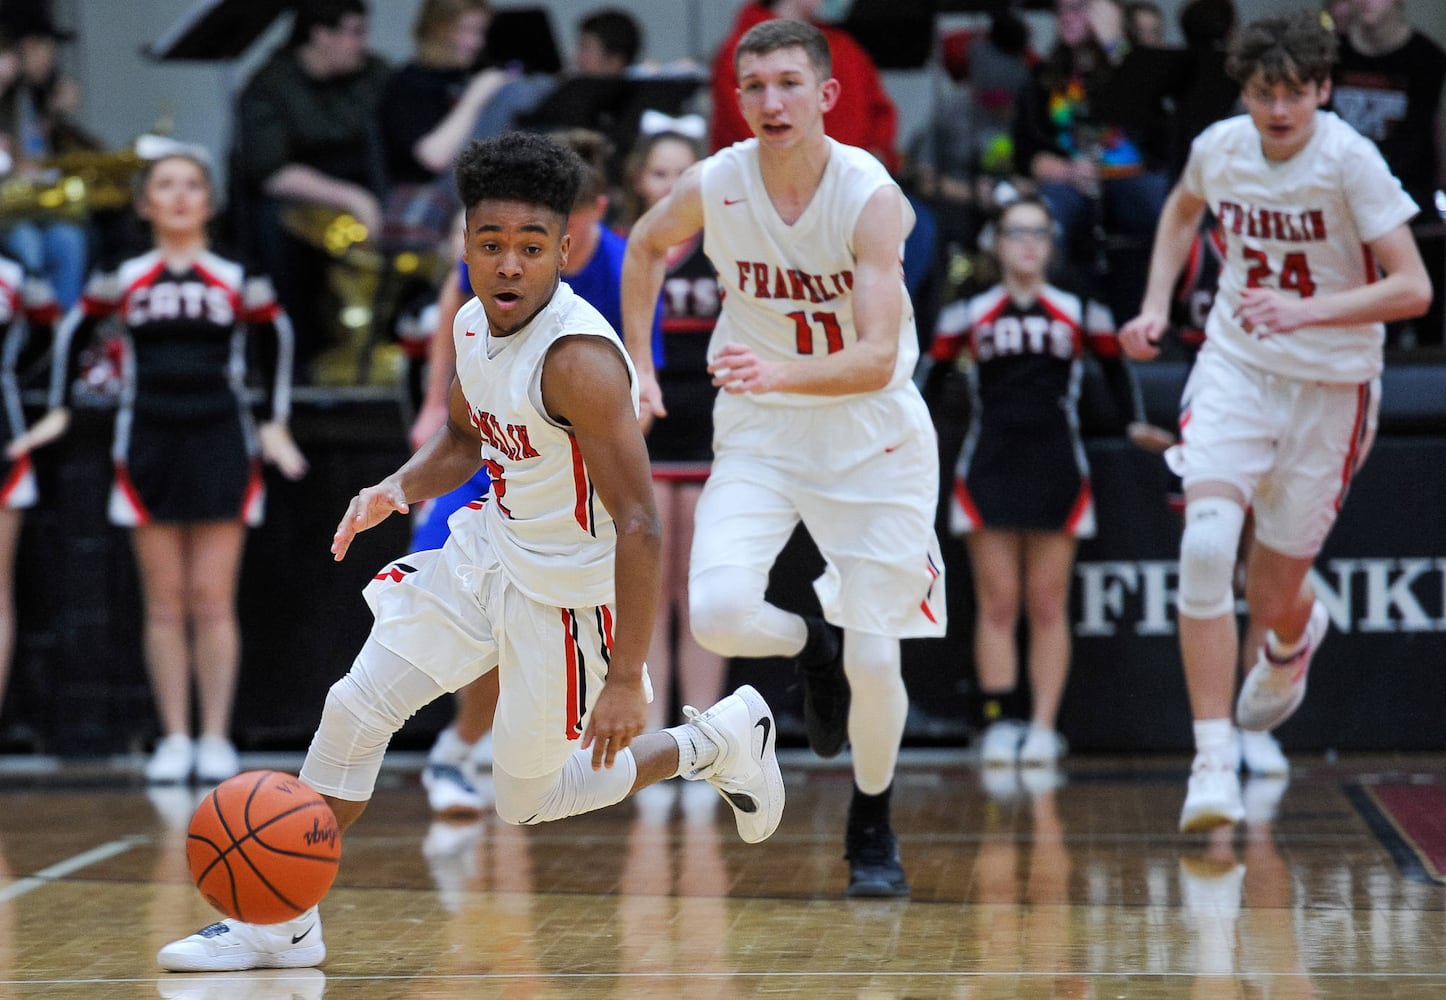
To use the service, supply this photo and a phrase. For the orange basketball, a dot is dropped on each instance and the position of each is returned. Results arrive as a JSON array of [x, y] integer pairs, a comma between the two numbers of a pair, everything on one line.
[[263, 847]]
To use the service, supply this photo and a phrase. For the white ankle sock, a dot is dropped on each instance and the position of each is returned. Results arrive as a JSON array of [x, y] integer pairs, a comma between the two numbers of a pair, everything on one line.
[[1279, 651], [695, 750], [1215, 738]]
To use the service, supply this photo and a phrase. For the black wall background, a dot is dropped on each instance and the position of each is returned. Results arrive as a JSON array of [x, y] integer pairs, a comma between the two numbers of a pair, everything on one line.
[[78, 684]]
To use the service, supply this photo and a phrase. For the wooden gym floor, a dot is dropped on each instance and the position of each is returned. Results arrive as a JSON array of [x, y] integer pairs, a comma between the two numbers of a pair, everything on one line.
[[1073, 884]]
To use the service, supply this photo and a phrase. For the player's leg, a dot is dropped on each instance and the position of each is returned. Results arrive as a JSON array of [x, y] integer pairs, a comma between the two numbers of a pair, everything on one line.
[[747, 523], [213, 568], [1326, 434], [555, 670], [1260, 752], [731, 746], [160, 553], [1228, 447], [1282, 602], [1048, 564], [363, 711], [995, 563], [877, 714], [1214, 515]]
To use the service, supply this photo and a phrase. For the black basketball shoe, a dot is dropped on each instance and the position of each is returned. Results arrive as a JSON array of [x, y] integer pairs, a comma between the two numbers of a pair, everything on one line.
[[874, 866]]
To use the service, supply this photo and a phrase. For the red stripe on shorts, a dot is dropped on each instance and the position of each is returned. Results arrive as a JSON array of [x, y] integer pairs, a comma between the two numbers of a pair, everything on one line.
[[1353, 456], [569, 629]]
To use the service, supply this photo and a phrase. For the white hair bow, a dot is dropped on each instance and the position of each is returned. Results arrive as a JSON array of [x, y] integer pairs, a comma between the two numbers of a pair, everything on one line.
[[159, 147], [692, 126]]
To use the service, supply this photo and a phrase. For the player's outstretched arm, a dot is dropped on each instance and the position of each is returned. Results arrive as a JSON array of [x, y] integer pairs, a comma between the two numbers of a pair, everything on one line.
[[1179, 221], [678, 217], [585, 384]]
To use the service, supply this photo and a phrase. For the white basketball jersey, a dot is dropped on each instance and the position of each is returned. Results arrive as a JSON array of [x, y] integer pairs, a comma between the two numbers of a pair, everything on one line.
[[1300, 226], [788, 289], [551, 533]]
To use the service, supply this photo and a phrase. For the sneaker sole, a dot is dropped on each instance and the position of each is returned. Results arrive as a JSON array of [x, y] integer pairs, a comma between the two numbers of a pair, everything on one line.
[[1206, 820], [876, 890], [1265, 723], [297, 958]]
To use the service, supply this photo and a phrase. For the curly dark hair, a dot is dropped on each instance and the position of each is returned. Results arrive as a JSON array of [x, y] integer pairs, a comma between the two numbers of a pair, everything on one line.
[[1288, 47], [520, 166]]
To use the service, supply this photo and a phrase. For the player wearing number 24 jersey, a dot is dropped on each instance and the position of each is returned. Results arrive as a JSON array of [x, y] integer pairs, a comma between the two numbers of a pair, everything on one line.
[[1280, 408]]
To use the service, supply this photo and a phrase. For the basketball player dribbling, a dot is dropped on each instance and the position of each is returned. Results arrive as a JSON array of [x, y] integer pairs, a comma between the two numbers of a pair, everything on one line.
[[1280, 408], [552, 580], [818, 420]]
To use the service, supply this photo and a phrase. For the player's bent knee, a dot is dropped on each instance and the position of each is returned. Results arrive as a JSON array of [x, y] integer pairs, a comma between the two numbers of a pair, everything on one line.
[[721, 607], [1207, 557], [524, 801]]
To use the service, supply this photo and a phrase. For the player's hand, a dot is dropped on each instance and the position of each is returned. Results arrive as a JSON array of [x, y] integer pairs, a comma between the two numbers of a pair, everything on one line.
[[1264, 311], [278, 448], [367, 509], [618, 716], [650, 400], [1140, 337], [44, 431], [1148, 437], [737, 369]]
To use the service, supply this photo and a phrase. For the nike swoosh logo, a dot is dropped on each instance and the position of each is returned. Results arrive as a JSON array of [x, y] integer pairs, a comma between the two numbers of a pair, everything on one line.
[[303, 934], [733, 201], [767, 725]]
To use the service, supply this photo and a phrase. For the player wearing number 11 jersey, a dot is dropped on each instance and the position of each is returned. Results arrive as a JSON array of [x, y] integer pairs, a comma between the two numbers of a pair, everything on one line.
[[1280, 408], [818, 420]]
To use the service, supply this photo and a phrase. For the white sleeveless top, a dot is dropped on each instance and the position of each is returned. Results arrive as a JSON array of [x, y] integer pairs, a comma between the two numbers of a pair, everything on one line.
[[788, 289], [1300, 226], [552, 535]]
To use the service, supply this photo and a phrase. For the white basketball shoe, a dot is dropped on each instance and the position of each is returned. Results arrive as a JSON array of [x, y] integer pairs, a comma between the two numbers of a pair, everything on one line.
[[746, 770], [1274, 690], [234, 946], [1213, 796]]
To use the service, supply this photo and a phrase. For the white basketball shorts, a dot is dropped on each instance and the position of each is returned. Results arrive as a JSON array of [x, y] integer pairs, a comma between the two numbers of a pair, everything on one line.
[[1290, 446], [862, 474]]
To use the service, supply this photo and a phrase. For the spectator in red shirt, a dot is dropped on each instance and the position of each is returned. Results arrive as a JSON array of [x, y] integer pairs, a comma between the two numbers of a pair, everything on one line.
[[865, 115]]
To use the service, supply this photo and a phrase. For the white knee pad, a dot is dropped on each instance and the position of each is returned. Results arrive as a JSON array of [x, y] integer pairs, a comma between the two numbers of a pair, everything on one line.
[[1207, 557], [363, 711]]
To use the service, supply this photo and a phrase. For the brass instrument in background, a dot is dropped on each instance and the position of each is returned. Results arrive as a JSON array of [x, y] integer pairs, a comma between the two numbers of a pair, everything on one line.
[[70, 186], [367, 282]]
